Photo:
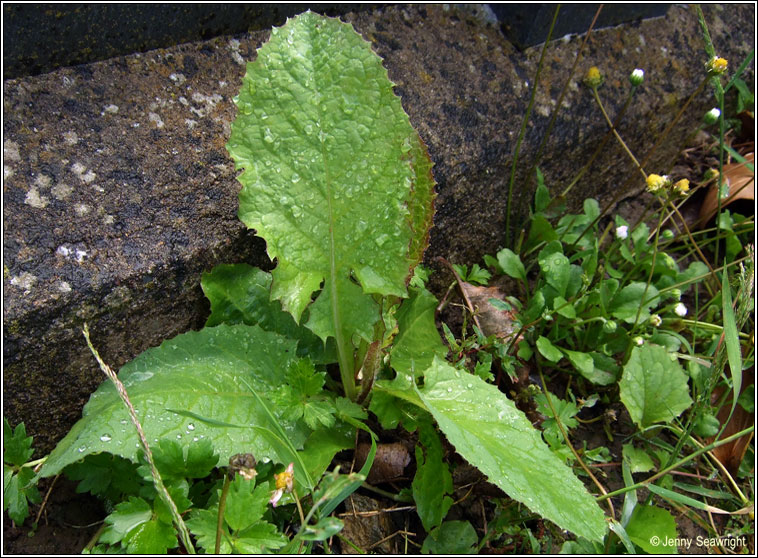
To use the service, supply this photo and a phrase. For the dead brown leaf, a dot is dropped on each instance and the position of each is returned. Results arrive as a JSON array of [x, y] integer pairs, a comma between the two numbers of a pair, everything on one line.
[[491, 320], [730, 455], [741, 182], [389, 463]]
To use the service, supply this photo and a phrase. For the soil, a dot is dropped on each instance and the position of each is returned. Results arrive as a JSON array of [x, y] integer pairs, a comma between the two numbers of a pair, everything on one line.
[[68, 522]]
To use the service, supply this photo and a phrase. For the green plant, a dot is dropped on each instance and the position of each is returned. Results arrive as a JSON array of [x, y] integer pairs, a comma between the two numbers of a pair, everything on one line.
[[19, 487], [339, 185], [606, 310]]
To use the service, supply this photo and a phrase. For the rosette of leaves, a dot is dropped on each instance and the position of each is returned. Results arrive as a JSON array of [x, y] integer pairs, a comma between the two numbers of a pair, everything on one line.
[[336, 180]]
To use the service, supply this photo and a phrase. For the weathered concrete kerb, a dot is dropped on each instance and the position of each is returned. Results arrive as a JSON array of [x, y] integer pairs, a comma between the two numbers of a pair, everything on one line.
[[118, 191]]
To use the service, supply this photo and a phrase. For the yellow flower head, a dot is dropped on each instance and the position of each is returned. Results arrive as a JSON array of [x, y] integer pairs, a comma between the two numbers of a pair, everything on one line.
[[682, 186], [717, 65], [593, 77], [656, 182]]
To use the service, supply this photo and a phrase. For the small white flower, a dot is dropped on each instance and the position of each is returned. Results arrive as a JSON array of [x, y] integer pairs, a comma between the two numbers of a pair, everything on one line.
[[622, 231], [680, 310], [655, 320], [639, 341], [637, 76]]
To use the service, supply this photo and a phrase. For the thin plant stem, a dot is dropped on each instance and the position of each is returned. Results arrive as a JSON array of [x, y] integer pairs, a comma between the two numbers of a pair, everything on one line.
[[524, 122], [157, 480], [622, 190], [566, 437], [615, 133], [221, 509], [676, 465], [559, 104]]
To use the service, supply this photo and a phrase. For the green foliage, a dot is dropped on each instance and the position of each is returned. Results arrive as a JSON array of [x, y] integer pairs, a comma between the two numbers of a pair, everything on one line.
[[653, 386], [324, 142], [452, 537], [489, 431], [19, 483], [339, 185], [650, 525], [417, 341], [433, 483]]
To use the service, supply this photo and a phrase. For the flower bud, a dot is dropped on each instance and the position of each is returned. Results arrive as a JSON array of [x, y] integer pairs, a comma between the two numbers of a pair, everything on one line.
[[712, 116], [593, 78], [636, 77]]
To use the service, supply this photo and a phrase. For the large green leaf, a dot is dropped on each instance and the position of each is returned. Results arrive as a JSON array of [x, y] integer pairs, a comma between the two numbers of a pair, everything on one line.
[[489, 431], [418, 340], [193, 387], [336, 179], [653, 387]]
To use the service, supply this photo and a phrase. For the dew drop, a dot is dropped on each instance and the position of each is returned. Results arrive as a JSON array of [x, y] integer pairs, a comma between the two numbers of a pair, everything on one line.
[[501, 415], [81, 449], [450, 390], [406, 147], [381, 240], [267, 137], [190, 426], [308, 129], [295, 178], [469, 385], [105, 438], [195, 439], [178, 436]]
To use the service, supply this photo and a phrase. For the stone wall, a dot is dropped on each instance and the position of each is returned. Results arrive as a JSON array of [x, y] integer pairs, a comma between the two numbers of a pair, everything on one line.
[[119, 193]]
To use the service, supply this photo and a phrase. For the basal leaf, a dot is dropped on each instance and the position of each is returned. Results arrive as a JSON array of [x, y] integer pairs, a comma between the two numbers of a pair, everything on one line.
[[196, 386], [653, 529], [418, 340], [489, 431], [632, 300], [653, 387], [331, 167], [452, 537]]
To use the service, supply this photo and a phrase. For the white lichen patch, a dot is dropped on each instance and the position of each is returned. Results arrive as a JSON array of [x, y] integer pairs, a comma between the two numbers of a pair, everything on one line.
[[43, 181], [81, 171], [64, 287], [61, 191], [178, 78], [34, 199], [183, 100], [71, 138], [210, 102], [108, 219], [72, 253], [155, 119], [234, 47], [109, 109], [10, 151], [24, 281], [190, 123], [82, 209]]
